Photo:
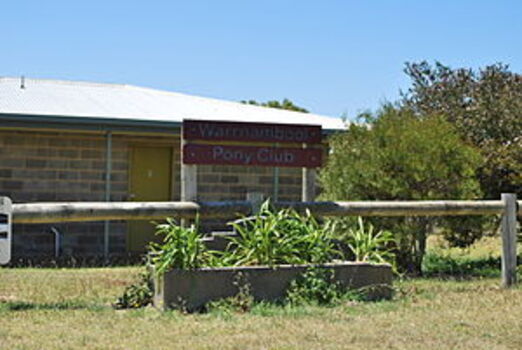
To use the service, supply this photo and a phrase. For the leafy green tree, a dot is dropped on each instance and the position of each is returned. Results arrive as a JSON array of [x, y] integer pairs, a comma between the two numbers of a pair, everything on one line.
[[486, 108], [395, 155], [285, 104]]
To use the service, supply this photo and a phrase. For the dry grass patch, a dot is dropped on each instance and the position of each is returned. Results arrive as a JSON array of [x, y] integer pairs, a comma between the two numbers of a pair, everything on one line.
[[70, 309]]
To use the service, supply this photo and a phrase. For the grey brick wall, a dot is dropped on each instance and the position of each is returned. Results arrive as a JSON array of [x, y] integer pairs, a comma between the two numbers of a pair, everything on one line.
[[45, 166]]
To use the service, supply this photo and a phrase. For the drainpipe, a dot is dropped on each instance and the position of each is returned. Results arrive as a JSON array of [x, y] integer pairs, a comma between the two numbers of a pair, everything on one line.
[[57, 241], [275, 174], [108, 171]]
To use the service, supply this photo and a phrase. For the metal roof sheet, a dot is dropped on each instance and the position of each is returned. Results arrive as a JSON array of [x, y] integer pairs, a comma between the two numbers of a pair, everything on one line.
[[41, 97]]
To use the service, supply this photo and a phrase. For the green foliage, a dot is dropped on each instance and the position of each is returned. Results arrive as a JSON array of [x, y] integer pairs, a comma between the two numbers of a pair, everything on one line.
[[285, 104], [139, 294], [315, 286], [278, 237], [481, 259], [365, 243], [462, 231], [485, 107], [397, 156], [269, 238], [182, 248], [243, 301], [437, 264]]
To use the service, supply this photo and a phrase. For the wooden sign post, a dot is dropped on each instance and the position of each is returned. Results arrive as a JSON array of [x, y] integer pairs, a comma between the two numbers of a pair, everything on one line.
[[308, 184], [189, 178]]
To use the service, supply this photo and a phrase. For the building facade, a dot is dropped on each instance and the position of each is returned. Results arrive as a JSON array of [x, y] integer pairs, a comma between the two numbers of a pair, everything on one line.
[[71, 141]]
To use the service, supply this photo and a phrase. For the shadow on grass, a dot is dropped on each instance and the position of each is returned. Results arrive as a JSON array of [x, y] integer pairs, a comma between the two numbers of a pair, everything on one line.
[[66, 305]]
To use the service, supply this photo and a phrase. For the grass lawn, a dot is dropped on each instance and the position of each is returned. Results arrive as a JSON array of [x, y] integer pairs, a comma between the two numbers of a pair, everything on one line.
[[70, 309]]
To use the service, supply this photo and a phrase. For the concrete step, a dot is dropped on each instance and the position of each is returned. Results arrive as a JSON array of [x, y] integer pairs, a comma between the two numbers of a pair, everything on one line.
[[218, 240]]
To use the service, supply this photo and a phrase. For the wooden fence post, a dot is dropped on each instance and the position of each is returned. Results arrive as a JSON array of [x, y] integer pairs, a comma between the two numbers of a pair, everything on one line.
[[308, 183], [308, 194], [509, 240], [189, 180], [255, 199]]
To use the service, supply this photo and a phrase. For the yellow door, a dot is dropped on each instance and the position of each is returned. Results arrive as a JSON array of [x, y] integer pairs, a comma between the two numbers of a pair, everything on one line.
[[150, 180]]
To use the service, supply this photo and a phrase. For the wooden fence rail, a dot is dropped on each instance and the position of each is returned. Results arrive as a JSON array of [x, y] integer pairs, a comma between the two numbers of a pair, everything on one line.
[[97, 211], [508, 207]]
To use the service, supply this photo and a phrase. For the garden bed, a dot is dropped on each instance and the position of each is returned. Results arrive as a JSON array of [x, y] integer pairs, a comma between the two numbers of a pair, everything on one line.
[[192, 289]]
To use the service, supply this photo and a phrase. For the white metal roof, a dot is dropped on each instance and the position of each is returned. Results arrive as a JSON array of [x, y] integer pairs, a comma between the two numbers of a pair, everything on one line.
[[125, 102]]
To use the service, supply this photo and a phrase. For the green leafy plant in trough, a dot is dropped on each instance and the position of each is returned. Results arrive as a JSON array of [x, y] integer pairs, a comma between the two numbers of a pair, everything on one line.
[[279, 237], [182, 248], [364, 242], [271, 237]]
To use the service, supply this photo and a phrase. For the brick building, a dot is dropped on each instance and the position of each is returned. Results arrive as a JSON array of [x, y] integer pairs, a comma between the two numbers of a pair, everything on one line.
[[59, 140]]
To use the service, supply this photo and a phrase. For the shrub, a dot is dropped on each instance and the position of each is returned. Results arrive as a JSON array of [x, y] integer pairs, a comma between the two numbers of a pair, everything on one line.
[[397, 156]]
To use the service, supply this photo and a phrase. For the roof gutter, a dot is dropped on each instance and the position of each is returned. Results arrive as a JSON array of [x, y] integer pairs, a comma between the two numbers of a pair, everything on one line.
[[101, 124], [87, 123]]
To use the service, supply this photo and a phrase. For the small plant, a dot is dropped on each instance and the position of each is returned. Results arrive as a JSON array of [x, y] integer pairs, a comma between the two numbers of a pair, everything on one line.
[[182, 248], [137, 295], [315, 286], [364, 242], [278, 237], [242, 302]]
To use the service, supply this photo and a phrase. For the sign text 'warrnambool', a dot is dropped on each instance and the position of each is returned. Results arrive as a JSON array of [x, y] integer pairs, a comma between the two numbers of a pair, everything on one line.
[[252, 155], [252, 132]]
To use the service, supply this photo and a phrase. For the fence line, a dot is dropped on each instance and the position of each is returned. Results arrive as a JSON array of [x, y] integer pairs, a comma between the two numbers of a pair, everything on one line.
[[508, 207], [97, 211]]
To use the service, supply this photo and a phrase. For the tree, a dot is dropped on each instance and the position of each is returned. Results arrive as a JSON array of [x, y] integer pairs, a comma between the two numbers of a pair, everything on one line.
[[486, 108], [285, 104], [395, 155]]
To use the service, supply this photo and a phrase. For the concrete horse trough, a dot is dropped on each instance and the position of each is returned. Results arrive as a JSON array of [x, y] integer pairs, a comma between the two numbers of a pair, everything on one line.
[[192, 289]]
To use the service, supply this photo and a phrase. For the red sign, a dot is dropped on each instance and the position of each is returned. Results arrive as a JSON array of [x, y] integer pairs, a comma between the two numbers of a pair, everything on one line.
[[251, 132], [252, 155]]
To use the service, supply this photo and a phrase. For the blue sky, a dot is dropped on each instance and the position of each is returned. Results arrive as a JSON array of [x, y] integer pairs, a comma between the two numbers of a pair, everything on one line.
[[332, 57]]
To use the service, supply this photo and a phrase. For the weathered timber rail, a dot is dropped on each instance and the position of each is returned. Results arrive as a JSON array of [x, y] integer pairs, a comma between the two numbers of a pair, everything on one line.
[[508, 207], [98, 211]]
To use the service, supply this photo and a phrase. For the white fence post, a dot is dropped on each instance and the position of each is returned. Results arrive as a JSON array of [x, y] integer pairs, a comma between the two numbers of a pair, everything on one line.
[[509, 240], [5, 230]]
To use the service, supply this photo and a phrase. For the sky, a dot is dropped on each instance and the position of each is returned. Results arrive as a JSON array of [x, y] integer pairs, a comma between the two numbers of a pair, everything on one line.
[[336, 58]]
